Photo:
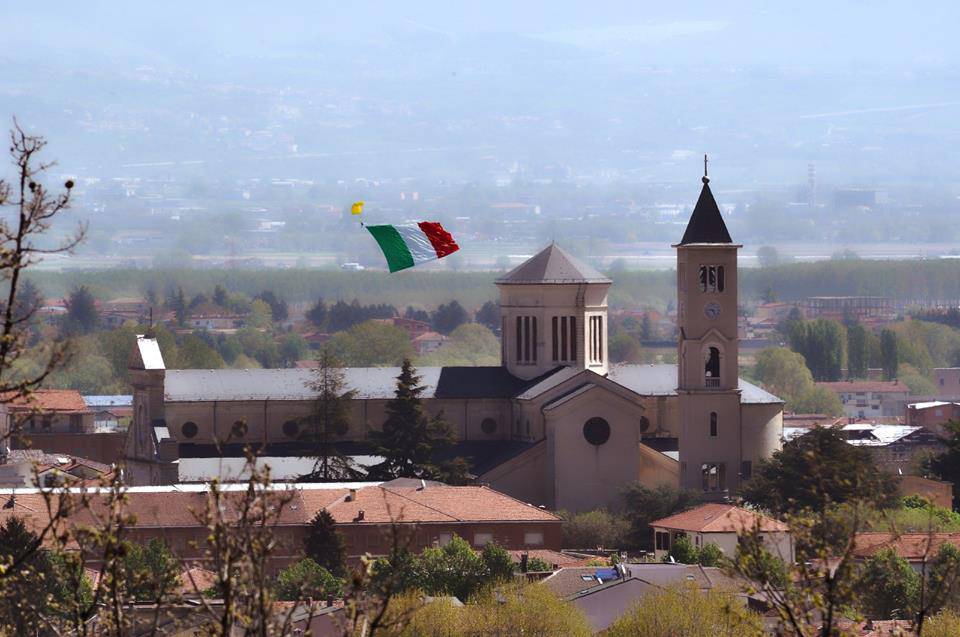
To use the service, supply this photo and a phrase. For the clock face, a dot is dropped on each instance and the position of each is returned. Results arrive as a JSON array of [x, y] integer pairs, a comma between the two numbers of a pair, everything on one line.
[[712, 310]]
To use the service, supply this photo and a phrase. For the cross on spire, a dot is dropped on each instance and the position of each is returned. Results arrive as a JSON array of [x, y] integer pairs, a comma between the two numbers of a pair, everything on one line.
[[706, 179]]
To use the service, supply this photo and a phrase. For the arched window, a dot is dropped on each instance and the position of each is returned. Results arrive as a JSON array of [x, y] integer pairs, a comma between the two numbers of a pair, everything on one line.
[[711, 368], [713, 424]]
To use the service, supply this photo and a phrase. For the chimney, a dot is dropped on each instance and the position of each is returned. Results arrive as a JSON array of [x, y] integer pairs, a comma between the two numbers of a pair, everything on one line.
[[351, 496], [423, 485], [523, 562], [329, 600], [360, 515]]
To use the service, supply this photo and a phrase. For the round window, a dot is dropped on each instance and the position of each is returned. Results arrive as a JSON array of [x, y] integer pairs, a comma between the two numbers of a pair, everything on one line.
[[291, 429], [644, 423], [488, 426], [189, 429], [596, 431], [239, 429]]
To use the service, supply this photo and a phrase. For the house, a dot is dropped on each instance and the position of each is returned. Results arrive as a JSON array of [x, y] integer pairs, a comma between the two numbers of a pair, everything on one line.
[[109, 411], [721, 524], [370, 516], [869, 398], [33, 467], [216, 322], [932, 415], [49, 411], [947, 381], [606, 594], [918, 549], [428, 342], [554, 424]]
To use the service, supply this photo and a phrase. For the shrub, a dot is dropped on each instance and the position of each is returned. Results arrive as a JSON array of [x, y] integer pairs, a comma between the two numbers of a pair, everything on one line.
[[592, 529], [683, 611], [710, 555], [305, 579], [683, 551]]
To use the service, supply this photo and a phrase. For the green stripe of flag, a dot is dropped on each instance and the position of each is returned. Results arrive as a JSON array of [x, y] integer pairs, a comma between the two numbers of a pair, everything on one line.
[[393, 246]]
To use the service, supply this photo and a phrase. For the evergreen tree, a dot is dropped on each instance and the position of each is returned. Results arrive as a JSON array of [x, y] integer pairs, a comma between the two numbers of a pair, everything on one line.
[[410, 438], [858, 352], [489, 315], [414, 314], [889, 354], [177, 301], [448, 317], [151, 572], [325, 544], [317, 314], [220, 296], [28, 584], [82, 316], [278, 307], [330, 419], [307, 579]]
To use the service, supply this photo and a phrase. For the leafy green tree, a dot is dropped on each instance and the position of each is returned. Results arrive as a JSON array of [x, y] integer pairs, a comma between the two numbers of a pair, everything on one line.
[[497, 562], [261, 316], [592, 529], [816, 400], [710, 555], [448, 317], [783, 372], [82, 315], [489, 316], [643, 505], [278, 307], [943, 580], [917, 383], [330, 419], [470, 345], [538, 565], [821, 343], [683, 551], [195, 353], [411, 438], [325, 545], [889, 587], [151, 572], [768, 256], [889, 353], [858, 352], [372, 344], [307, 579], [292, 347], [624, 348], [815, 471]]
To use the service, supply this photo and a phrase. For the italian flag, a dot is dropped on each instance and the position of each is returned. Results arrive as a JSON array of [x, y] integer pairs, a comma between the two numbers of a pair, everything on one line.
[[409, 245]]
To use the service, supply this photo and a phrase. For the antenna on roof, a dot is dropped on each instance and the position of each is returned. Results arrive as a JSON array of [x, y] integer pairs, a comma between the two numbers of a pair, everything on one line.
[[705, 179]]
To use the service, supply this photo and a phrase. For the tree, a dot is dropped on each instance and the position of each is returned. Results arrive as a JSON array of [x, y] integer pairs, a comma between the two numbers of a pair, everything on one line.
[[889, 587], [151, 572], [220, 296], [768, 256], [416, 314], [815, 471], [687, 611], [411, 438], [26, 588], [643, 505], [372, 344], [82, 316], [497, 562], [307, 579], [448, 317], [942, 590], [195, 353], [858, 352], [785, 374], [278, 307], [489, 316], [317, 314], [292, 348], [624, 348], [821, 343], [710, 555], [261, 316], [325, 545], [889, 354], [177, 301], [817, 400], [469, 345], [917, 383], [592, 529], [330, 419], [683, 551]]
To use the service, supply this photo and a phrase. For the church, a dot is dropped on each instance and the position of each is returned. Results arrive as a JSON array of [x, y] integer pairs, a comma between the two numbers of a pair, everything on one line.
[[556, 424]]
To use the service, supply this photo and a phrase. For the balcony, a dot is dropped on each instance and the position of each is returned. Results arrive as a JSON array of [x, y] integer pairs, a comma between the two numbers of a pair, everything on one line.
[[711, 383]]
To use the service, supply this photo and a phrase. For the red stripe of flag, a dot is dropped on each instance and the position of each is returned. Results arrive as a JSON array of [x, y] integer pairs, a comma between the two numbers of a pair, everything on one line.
[[441, 240]]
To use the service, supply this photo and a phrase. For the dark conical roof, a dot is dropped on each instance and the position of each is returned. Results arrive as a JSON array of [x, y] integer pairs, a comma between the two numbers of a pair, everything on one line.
[[552, 265], [706, 223]]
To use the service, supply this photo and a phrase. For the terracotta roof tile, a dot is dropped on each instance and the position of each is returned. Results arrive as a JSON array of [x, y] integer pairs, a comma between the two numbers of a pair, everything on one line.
[[910, 546], [52, 400], [719, 518]]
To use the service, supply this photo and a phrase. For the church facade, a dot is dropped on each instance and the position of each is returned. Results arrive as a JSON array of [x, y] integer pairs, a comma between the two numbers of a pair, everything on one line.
[[556, 424]]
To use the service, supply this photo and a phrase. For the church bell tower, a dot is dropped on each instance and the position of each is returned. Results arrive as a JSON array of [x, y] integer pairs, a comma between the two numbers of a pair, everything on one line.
[[707, 356]]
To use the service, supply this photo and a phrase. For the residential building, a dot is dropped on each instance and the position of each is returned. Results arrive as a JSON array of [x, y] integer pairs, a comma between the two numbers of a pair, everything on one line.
[[898, 449], [48, 411], [721, 524], [555, 424], [216, 322], [947, 381], [428, 342], [869, 398], [932, 415], [918, 549]]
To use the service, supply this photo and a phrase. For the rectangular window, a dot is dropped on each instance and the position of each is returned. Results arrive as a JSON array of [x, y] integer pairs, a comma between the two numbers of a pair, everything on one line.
[[713, 424], [746, 470], [444, 538], [573, 339], [563, 338], [662, 541], [556, 352], [533, 538], [533, 343], [482, 539], [526, 338], [712, 278], [519, 339]]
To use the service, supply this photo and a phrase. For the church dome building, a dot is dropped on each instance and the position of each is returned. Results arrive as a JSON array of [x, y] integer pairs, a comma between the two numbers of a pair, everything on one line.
[[554, 425]]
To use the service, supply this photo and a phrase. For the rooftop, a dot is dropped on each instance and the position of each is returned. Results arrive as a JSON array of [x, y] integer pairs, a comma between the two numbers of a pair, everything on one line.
[[875, 386], [706, 223], [719, 518], [60, 400], [552, 265], [910, 546]]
